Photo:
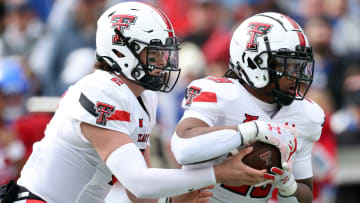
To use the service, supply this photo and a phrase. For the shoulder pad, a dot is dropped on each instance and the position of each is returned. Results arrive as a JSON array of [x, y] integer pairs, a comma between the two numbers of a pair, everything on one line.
[[100, 101], [312, 117]]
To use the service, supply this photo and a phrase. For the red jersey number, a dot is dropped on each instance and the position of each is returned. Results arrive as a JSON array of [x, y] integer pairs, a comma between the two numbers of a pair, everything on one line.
[[255, 192]]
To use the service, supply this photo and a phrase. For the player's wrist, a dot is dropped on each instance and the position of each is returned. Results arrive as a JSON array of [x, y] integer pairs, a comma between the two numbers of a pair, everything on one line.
[[218, 173], [247, 131], [288, 190]]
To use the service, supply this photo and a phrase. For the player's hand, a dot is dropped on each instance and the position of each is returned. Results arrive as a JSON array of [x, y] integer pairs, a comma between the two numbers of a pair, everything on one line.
[[281, 136], [202, 195], [284, 180], [232, 171]]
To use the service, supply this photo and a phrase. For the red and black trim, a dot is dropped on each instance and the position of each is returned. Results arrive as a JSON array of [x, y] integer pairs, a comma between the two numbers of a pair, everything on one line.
[[104, 112], [296, 27], [12, 192], [88, 105], [298, 31], [165, 19]]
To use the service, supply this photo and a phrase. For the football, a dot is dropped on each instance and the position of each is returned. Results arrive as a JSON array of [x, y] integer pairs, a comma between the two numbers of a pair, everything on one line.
[[263, 156]]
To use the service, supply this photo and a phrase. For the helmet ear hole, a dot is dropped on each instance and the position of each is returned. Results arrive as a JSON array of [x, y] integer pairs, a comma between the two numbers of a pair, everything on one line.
[[251, 64], [118, 53]]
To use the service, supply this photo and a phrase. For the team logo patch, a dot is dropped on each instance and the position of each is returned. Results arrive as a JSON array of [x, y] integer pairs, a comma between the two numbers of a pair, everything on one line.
[[256, 30], [190, 94], [103, 111], [121, 22]]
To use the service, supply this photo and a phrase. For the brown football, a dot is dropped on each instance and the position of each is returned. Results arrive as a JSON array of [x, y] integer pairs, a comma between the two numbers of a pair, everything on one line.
[[263, 156]]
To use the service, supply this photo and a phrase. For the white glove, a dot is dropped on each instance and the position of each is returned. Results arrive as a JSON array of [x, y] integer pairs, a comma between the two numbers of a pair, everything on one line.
[[284, 180], [281, 136]]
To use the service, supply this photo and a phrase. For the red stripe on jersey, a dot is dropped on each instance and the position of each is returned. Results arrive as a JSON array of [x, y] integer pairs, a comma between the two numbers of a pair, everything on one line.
[[299, 33], [120, 116], [206, 97], [34, 201], [113, 180], [165, 19]]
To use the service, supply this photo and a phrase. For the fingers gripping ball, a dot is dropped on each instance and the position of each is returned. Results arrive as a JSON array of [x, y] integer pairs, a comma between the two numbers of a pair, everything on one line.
[[263, 156], [281, 136], [284, 181]]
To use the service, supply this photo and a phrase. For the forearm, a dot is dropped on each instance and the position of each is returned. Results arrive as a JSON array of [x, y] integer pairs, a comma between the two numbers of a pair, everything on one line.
[[131, 196], [134, 199], [216, 143], [193, 136], [146, 182], [303, 193], [196, 131]]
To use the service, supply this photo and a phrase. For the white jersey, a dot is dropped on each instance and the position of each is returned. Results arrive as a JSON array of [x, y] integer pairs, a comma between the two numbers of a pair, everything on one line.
[[220, 101], [64, 166]]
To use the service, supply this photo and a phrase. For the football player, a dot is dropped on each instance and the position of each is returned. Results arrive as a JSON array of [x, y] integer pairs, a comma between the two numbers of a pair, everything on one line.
[[271, 69], [100, 131]]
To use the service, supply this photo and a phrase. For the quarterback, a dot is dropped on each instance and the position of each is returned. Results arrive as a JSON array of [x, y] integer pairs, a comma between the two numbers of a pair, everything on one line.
[[100, 131], [271, 69]]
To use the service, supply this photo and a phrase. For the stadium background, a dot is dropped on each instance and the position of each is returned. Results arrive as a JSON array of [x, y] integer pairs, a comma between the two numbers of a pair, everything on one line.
[[47, 45]]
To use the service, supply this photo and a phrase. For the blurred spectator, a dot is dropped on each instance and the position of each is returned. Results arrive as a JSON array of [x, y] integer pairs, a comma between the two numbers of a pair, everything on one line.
[[2, 17], [22, 29], [13, 88], [307, 9], [343, 41], [325, 166], [42, 8], [78, 64], [77, 30], [209, 31], [346, 122], [177, 11], [246, 8], [319, 32], [59, 14]]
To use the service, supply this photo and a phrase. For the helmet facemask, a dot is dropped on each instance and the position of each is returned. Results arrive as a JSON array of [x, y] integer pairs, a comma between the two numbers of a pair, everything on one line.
[[297, 66], [160, 72]]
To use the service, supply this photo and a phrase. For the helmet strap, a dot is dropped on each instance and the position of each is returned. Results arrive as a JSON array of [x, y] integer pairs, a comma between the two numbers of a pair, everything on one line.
[[279, 96]]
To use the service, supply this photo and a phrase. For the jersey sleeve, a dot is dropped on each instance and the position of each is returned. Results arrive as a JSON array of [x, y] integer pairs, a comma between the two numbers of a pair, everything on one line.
[[313, 118], [101, 103], [201, 101]]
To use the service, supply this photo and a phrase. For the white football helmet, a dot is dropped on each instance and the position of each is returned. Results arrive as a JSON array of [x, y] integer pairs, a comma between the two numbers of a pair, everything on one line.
[[268, 46], [126, 29]]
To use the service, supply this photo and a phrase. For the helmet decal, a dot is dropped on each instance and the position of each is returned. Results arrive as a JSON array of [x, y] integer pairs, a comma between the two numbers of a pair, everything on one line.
[[299, 32], [256, 30], [121, 22], [165, 19]]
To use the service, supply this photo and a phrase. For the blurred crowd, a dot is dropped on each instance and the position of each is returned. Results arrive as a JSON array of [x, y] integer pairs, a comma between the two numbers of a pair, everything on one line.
[[47, 45]]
